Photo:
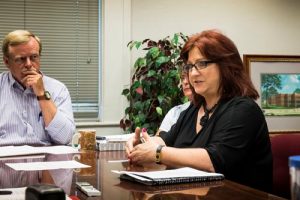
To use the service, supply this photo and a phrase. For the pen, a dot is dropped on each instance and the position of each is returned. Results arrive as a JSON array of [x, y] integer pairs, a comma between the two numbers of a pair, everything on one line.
[[5, 192]]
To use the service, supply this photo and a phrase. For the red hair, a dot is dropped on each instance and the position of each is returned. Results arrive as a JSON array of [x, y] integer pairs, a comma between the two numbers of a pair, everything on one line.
[[217, 47]]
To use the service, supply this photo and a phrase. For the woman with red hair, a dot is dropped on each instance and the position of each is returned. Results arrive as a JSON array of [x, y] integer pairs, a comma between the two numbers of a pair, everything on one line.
[[224, 130]]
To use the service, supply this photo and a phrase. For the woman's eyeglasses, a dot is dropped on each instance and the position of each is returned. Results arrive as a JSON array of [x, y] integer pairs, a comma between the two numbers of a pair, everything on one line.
[[201, 64]]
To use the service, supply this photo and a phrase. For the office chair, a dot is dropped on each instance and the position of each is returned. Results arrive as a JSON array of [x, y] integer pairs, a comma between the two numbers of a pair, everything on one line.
[[283, 146]]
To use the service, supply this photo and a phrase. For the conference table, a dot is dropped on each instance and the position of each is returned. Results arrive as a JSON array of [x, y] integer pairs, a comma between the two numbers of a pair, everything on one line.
[[111, 187]]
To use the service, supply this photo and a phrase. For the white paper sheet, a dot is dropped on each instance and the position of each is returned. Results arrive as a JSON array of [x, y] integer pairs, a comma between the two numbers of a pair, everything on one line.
[[9, 151], [118, 138], [58, 149], [22, 157], [117, 161], [17, 194], [33, 166], [171, 176]]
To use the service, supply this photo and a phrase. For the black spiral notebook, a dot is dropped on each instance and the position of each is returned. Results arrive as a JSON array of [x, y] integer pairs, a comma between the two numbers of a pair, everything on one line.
[[172, 176]]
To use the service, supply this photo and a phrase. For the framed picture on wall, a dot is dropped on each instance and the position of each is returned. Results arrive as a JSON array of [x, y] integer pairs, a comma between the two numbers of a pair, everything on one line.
[[277, 79]]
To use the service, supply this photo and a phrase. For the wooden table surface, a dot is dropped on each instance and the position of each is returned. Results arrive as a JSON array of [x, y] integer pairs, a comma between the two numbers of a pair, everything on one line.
[[111, 187]]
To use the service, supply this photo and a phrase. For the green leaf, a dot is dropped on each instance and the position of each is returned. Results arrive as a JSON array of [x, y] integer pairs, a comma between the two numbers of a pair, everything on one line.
[[140, 62], [131, 44], [160, 98], [142, 118], [135, 85], [138, 105], [135, 44], [125, 91], [175, 54], [138, 44], [136, 120], [159, 110], [151, 73], [127, 110], [154, 52], [162, 59], [147, 104], [175, 39], [173, 73]]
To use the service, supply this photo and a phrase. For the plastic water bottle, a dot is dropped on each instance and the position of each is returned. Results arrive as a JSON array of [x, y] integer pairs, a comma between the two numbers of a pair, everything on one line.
[[294, 164]]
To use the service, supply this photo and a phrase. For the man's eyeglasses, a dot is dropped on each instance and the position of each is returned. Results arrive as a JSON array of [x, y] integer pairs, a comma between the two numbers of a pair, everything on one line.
[[200, 64], [23, 59]]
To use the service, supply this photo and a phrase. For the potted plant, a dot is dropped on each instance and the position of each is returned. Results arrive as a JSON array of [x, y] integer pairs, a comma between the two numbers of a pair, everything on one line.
[[155, 83]]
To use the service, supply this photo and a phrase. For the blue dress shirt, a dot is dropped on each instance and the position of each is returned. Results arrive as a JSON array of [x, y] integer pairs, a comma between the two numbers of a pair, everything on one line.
[[21, 120]]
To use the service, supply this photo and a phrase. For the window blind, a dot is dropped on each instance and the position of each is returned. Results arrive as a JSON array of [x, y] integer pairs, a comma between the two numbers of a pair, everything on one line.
[[69, 33]]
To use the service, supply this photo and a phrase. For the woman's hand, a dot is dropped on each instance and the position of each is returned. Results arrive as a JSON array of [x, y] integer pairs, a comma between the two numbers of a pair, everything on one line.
[[138, 152], [143, 153], [133, 141]]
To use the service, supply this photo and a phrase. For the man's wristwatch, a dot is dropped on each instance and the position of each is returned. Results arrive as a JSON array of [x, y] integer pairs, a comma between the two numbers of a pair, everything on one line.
[[46, 96]]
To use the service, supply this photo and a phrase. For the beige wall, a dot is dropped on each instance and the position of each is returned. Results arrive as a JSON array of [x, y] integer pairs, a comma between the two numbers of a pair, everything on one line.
[[256, 27]]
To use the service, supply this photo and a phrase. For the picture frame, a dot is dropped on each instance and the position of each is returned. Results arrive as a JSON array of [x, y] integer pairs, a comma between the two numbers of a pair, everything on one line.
[[257, 66]]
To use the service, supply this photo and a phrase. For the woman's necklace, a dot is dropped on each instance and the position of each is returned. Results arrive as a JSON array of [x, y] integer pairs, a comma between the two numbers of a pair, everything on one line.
[[205, 117]]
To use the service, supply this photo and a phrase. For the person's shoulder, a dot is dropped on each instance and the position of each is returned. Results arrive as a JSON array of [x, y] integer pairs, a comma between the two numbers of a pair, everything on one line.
[[241, 103], [188, 109], [186, 104], [240, 100], [174, 111], [183, 106], [4, 76], [246, 100], [179, 107]]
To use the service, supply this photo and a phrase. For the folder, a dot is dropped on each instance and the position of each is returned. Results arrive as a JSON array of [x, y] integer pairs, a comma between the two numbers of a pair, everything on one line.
[[172, 176]]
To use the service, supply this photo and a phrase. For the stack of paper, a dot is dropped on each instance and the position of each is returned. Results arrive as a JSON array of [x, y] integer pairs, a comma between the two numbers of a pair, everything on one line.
[[33, 166], [21, 152], [172, 176], [13, 152], [112, 142]]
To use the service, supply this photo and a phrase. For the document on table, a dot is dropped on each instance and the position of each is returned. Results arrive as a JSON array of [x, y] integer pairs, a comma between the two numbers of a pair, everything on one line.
[[172, 176], [33, 166], [62, 149], [10, 151], [118, 138], [17, 194]]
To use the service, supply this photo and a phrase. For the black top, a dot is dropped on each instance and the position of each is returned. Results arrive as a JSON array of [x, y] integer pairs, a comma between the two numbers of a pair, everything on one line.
[[235, 137]]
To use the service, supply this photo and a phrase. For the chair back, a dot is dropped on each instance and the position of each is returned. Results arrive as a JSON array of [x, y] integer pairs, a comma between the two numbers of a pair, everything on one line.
[[283, 146]]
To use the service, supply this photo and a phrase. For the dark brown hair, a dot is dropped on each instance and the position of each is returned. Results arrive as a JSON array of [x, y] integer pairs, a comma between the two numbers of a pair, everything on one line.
[[217, 47]]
